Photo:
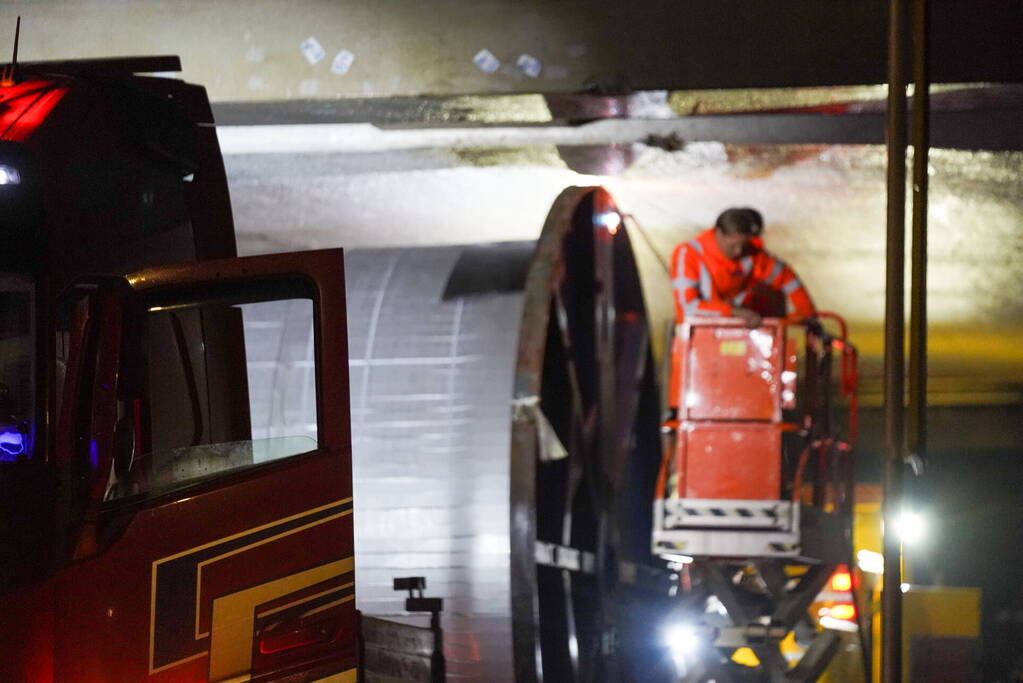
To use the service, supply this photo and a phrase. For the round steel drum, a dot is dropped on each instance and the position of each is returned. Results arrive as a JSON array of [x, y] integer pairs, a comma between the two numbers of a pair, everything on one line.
[[505, 447]]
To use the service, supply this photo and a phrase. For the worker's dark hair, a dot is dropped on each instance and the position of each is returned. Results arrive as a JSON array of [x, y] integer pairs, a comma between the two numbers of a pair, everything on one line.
[[735, 221]]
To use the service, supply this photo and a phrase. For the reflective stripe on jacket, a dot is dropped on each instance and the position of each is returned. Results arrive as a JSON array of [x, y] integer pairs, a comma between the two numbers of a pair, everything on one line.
[[706, 282]]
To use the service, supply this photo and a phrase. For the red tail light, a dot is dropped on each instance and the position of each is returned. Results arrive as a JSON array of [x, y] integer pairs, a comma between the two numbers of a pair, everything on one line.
[[306, 641], [843, 610], [298, 635], [841, 581], [24, 106]]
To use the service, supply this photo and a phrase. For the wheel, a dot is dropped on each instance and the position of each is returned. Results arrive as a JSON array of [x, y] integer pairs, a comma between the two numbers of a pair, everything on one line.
[[588, 597]]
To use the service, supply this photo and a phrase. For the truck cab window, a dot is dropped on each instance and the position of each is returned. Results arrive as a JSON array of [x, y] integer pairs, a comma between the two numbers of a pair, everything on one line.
[[17, 367], [25, 481], [221, 386]]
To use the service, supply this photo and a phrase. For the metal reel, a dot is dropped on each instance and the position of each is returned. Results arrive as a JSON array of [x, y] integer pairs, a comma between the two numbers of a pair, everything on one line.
[[587, 594]]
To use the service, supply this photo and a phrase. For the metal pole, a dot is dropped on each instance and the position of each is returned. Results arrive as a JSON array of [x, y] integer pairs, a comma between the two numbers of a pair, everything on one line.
[[894, 361], [917, 418]]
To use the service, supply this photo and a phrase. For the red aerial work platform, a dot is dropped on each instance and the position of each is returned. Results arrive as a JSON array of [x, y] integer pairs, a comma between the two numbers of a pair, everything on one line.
[[755, 491]]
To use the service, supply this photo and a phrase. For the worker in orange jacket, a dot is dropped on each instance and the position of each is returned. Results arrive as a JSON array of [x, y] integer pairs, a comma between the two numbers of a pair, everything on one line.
[[726, 272]]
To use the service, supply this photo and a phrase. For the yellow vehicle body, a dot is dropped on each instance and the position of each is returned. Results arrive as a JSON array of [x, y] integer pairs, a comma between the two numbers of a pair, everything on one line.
[[940, 635], [940, 625]]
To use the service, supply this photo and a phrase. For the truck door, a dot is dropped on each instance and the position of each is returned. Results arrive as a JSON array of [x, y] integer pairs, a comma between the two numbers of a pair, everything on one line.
[[203, 437]]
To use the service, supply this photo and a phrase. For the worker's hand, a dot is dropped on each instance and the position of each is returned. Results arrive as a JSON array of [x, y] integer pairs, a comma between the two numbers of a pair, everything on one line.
[[751, 318]]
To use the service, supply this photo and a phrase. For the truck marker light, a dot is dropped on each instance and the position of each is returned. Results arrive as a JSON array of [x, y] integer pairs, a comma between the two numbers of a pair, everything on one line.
[[12, 444], [26, 106]]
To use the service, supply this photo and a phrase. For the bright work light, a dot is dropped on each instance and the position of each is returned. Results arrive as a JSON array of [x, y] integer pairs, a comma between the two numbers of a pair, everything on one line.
[[911, 527], [683, 639], [9, 175], [610, 220]]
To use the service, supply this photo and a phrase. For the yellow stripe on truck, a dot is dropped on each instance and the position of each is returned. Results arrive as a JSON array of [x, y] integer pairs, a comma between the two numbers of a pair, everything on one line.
[[234, 616]]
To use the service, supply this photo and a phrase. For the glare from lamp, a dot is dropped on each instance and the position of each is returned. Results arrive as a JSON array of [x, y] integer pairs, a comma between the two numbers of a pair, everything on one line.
[[838, 624], [842, 610], [610, 220], [683, 640], [9, 175], [716, 606], [678, 559], [870, 561], [911, 527]]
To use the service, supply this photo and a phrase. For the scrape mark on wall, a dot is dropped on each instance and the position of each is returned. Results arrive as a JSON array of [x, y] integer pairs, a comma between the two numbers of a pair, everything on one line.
[[486, 61], [342, 62], [312, 50]]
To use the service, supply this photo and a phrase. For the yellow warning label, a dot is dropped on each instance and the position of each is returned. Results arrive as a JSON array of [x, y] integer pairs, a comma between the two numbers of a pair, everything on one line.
[[733, 347]]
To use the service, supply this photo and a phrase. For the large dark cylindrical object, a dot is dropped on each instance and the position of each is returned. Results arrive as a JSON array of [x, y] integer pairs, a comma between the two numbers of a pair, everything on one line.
[[505, 426]]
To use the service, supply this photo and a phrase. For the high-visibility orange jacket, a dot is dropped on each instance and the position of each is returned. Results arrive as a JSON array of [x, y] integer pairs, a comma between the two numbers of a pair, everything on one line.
[[706, 282]]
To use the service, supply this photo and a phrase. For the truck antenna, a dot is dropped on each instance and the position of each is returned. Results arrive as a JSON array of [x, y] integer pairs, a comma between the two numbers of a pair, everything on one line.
[[17, 34], [10, 72]]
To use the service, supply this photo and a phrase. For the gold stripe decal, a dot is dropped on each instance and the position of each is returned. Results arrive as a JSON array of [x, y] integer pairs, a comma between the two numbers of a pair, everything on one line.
[[175, 599], [234, 616], [198, 572]]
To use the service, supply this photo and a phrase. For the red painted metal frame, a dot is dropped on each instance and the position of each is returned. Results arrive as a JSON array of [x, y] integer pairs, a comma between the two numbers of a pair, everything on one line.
[[730, 418], [710, 450], [90, 620]]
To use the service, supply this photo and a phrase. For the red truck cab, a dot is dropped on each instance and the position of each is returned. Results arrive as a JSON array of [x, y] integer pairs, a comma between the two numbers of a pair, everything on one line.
[[175, 461]]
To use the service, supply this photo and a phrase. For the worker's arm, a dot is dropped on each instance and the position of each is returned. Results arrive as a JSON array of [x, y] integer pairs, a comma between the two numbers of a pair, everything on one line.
[[777, 275], [691, 283]]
